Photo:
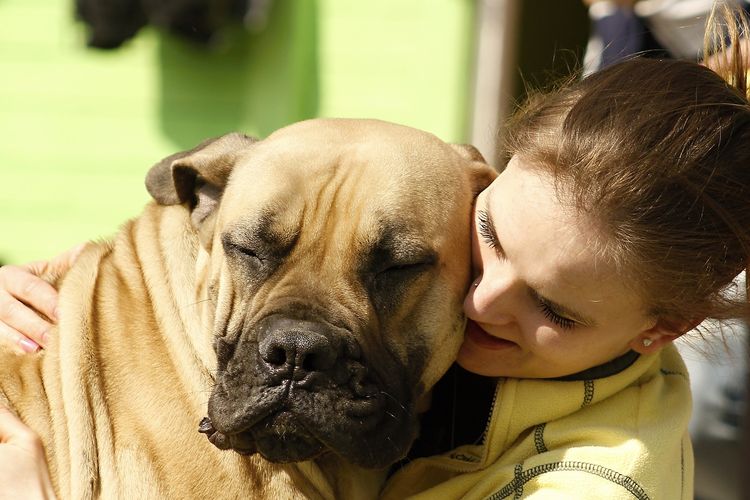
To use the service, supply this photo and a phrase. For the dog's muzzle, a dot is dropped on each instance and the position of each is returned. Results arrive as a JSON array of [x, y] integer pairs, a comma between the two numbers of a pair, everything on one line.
[[299, 388]]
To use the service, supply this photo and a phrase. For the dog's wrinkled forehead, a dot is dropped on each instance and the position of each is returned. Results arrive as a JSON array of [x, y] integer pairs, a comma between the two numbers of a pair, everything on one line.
[[364, 169]]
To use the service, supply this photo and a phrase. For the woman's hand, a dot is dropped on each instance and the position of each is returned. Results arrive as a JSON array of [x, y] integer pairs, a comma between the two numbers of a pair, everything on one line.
[[28, 304], [23, 468]]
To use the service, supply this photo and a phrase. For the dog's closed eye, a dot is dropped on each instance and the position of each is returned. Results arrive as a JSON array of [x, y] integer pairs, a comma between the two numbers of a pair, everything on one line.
[[405, 268], [246, 252]]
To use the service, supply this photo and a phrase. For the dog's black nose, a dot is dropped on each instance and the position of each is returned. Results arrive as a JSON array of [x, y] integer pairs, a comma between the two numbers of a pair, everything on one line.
[[294, 349]]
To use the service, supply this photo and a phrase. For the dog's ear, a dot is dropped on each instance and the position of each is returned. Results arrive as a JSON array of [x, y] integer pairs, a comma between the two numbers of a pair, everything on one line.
[[197, 178], [481, 173], [469, 152]]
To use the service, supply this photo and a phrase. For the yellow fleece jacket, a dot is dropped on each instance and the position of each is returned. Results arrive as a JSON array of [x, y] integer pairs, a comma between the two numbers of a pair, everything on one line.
[[623, 436]]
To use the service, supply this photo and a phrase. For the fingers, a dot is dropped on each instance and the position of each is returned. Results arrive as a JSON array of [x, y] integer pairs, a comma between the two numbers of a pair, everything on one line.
[[12, 430], [21, 283], [23, 294], [19, 324], [23, 467]]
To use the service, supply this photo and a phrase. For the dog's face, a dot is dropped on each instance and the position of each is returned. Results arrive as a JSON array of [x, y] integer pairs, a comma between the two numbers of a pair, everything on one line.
[[337, 261]]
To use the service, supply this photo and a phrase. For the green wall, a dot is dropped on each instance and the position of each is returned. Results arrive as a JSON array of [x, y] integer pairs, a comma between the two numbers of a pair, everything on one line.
[[80, 127]]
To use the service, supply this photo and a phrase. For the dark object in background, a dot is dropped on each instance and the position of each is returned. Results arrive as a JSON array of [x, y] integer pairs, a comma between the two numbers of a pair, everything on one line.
[[112, 22]]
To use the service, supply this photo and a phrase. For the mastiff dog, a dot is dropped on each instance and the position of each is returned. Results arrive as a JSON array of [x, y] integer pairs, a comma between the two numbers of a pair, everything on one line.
[[268, 327]]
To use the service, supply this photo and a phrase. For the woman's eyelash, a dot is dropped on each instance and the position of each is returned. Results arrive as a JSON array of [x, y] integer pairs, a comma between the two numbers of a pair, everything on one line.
[[485, 229], [550, 314]]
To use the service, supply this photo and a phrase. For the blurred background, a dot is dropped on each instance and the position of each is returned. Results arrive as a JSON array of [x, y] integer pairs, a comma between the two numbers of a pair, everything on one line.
[[93, 92], [81, 125]]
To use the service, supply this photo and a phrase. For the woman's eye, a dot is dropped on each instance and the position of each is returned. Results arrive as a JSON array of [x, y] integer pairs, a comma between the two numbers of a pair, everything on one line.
[[550, 314], [485, 229]]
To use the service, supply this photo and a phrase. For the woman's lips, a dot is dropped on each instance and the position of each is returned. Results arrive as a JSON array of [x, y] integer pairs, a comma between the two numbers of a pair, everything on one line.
[[478, 336]]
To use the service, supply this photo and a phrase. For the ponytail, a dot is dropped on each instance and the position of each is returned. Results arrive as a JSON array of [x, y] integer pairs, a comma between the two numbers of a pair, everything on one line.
[[726, 49]]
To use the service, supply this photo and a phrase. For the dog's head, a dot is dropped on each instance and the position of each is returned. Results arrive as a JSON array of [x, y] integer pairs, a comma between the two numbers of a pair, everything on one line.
[[336, 259]]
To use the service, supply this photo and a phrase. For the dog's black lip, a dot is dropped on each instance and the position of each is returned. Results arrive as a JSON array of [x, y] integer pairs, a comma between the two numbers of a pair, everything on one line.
[[279, 430], [367, 411], [272, 405], [205, 426], [243, 443], [364, 407]]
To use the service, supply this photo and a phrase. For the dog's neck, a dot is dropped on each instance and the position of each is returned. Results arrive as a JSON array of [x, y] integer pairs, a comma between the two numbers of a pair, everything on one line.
[[202, 338], [172, 274]]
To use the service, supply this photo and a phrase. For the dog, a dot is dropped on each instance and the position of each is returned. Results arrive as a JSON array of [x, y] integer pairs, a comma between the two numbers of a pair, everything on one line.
[[269, 325]]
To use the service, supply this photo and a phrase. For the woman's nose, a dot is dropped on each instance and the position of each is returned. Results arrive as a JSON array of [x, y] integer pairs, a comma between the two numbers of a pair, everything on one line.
[[492, 298]]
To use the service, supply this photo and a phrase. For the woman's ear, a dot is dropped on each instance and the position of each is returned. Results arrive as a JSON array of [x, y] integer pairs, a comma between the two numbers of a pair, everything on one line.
[[653, 339]]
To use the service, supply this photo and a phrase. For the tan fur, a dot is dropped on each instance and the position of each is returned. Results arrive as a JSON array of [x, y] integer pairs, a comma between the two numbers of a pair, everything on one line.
[[117, 396]]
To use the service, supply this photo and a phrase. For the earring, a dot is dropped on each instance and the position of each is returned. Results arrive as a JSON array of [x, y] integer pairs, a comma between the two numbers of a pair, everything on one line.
[[476, 283], [647, 342]]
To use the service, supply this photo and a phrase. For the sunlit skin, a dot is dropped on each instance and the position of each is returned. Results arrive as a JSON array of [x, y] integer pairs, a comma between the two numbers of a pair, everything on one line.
[[545, 305]]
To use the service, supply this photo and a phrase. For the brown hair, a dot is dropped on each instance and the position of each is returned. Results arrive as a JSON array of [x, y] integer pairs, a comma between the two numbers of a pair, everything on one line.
[[657, 154]]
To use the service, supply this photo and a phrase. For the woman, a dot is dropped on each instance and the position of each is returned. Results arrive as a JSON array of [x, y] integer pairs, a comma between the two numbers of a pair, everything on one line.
[[617, 226]]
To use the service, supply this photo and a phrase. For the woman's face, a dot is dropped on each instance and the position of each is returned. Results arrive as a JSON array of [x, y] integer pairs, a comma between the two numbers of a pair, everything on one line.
[[543, 304]]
